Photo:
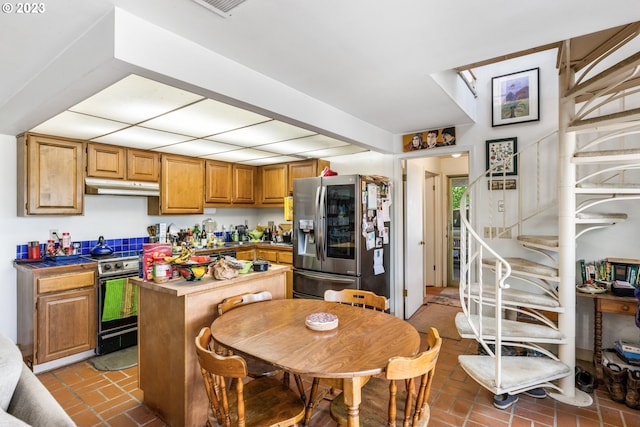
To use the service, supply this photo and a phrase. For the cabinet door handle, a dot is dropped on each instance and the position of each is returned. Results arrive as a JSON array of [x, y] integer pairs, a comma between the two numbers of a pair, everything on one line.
[[625, 307]]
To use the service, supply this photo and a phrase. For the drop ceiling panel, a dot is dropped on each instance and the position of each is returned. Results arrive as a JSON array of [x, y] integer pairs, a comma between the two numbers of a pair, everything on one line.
[[139, 137], [135, 99], [271, 160], [263, 133], [301, 145], [205, 118], [80, 126], [199, 148], [141, 113], [242, 155]]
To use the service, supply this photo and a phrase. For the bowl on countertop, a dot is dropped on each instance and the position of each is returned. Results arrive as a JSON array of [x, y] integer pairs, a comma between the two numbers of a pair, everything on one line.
[[191, 272]]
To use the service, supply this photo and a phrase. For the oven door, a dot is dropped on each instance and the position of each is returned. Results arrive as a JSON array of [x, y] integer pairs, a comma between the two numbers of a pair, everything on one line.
[[117, 313], [311, 284]]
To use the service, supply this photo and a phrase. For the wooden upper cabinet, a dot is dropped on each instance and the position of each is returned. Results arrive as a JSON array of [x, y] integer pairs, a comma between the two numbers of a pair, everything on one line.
[[304, 169], [143, 165], [106, 161], [218, 182], [181, 186], [274, 183], [244, 184], [114, 162], [50, 176]]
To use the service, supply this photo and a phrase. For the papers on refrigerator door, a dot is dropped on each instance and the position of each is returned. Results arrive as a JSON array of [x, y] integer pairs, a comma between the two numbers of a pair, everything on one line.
[[378, 266], [372, 196]]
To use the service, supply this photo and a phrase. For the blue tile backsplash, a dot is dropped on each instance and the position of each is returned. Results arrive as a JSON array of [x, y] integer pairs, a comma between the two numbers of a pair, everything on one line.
[[127, 244]]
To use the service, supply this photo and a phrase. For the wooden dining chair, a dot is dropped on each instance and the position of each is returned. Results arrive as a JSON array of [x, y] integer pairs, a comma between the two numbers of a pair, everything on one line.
[[257, 403], [382, 400], [354, 297], [358, 298], [256, 368]]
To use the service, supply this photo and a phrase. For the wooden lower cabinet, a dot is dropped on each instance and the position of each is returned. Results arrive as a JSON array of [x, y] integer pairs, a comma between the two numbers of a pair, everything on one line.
[[279, 255], [56, 311], [245, 254], [66, 323]]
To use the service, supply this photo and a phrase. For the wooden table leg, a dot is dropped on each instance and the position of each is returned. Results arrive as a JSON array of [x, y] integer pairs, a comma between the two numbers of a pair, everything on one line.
[[597, 339], [352, 398]]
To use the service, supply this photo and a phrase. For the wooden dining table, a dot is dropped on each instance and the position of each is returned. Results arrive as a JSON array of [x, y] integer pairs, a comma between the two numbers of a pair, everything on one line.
[[357, 348]]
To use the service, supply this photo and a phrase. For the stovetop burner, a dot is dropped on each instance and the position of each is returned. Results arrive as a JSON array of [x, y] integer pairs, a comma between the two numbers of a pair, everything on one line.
[[117, 263]]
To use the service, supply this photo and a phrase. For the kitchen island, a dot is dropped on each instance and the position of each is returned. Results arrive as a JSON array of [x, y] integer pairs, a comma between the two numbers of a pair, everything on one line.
[[170, 315]]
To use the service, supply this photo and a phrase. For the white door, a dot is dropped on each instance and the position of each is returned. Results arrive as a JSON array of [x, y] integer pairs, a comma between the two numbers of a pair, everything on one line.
[[414, 238], [430, 230]]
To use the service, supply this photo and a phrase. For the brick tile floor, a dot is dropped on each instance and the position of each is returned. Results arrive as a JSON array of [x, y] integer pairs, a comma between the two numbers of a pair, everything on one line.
[[98, 398]]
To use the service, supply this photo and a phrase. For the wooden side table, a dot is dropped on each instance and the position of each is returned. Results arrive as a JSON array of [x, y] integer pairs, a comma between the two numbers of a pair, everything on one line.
[[606, 303]]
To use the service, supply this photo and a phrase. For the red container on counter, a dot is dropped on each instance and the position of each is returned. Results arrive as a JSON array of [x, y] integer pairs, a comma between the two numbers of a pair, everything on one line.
[[34, 250]]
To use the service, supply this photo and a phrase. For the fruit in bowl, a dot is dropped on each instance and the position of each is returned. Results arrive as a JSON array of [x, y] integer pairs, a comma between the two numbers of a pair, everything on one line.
[[192, 273]]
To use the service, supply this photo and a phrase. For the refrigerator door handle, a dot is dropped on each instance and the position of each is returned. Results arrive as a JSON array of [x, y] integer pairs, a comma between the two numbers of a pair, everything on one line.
[[323, 276], [317, 222], [323, 220]]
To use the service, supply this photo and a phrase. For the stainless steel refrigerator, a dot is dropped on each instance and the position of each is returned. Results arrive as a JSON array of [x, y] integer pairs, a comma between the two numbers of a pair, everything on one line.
[[341, 234]]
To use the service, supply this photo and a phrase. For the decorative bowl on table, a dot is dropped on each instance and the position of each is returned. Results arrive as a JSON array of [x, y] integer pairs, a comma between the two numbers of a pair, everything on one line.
[[321, 321], [191, 272]]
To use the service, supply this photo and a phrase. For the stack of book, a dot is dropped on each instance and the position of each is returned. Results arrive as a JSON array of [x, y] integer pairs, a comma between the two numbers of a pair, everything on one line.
[[628, 351]]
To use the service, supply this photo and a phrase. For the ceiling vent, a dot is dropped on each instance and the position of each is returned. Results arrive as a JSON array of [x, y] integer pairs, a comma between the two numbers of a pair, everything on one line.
[[221, 7]]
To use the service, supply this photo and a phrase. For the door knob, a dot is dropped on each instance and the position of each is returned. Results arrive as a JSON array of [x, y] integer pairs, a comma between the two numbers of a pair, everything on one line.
[[421, 242]]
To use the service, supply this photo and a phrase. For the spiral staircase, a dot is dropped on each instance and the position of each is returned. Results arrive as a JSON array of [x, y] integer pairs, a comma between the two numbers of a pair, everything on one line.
[[521, 309]]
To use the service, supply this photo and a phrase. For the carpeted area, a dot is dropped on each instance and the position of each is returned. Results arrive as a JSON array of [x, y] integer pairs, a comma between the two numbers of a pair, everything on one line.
[[117, 360], [440, 316]]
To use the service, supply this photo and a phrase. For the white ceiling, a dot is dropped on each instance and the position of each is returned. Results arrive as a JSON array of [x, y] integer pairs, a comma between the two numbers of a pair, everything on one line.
[[372, 62]]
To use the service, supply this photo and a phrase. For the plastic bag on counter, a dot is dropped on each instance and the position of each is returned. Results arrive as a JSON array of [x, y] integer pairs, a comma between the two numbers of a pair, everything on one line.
[[223, 270]]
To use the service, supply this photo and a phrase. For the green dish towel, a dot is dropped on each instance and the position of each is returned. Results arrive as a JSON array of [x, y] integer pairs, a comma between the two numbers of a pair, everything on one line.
[[120, 300]]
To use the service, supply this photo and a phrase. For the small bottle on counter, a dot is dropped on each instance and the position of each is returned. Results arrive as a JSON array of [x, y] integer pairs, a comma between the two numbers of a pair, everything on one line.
[[51, 247], [66, 243]]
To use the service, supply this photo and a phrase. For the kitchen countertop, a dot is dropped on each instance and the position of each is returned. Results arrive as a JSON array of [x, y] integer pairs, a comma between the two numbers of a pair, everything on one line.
[[62, 263], [57, 264], [180, 287]]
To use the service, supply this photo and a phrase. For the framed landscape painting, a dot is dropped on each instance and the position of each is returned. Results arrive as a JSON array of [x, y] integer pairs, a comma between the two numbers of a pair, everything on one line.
[[515, 98]]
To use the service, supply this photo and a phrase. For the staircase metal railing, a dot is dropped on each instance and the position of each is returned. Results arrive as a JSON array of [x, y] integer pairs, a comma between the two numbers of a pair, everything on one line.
[[474, 248]]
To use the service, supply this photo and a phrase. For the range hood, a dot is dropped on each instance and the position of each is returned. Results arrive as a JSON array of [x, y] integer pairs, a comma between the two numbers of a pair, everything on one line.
[[120, 188]]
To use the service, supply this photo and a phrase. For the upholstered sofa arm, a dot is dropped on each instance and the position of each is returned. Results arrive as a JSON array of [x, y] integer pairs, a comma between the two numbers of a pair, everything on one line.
[[33, 404], [10, 420]]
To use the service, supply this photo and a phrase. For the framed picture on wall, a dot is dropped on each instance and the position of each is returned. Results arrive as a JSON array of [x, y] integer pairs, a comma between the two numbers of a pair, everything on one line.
[[500, 157], [515, 98], [501, 184]]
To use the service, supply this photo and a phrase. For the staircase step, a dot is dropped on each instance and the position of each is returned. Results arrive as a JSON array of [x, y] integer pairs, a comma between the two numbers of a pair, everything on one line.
[[524, 267], [608, 188], [512, 330], [549, 243], [518, 298], [519, 373], [600, 218], [607, 156]]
